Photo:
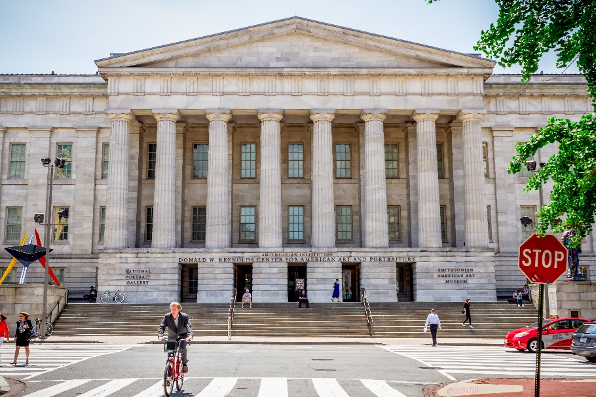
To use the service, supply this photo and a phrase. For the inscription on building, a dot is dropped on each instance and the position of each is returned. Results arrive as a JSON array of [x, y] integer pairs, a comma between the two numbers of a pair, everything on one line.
[[137, 276], [294, 258], [456, 275]]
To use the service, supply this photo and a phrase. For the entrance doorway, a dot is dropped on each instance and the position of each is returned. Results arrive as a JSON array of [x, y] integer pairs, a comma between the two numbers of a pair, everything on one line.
[[350, 281], [189, 283], [296, 281], [242, 280], [405, 282]]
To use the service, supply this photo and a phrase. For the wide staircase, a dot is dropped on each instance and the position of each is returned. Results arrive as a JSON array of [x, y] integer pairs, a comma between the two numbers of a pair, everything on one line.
[[390, 320]]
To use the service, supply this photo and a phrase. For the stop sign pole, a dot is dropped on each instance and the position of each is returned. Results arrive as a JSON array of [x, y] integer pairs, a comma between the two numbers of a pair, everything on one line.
[[543, 260]]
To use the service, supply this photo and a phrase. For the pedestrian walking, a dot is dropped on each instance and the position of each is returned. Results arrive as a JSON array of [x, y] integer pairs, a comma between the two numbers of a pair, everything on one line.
[[21, 338], [466, 311], [335, 291], [435, 324], [3, 332]]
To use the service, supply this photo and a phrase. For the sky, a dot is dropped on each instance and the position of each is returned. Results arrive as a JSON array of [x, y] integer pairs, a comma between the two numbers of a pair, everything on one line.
[[67, 36]]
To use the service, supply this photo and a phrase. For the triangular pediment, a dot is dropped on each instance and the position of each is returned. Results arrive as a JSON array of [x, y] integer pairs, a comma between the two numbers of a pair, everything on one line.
[[294, 43]]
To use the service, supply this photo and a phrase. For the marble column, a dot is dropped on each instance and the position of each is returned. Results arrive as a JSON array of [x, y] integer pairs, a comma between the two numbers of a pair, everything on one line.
[[270, 222], [505, 191], [323, 205], [218, 189], [476, 228], [375, 188], [118, 163], [429, 216], [3, 175], [164, 197], [409, 129]]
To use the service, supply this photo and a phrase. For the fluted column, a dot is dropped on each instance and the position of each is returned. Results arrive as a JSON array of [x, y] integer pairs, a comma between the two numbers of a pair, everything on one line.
[[116, 205], [375, 188], [164, 198], [429, 216], [323, 205], [218, 190], [476, 229], [270, 222]]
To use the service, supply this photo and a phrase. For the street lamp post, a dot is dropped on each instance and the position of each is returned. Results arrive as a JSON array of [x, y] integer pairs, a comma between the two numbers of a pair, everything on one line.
[[47, 162]]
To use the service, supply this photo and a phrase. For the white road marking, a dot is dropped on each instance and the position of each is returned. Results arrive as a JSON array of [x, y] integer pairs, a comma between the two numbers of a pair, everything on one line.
[[155, 390], [58, 388], [219, 387], [108, 388], [273, 387], [381, 389], [329, 388]]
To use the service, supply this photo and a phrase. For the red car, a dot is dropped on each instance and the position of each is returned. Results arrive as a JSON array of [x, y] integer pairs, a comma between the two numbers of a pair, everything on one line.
[[556, 334]]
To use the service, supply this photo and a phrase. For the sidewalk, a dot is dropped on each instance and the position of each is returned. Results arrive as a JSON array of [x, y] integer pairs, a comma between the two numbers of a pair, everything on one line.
[[515, 388]]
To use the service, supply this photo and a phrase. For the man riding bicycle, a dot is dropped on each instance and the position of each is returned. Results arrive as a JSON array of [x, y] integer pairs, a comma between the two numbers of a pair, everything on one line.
[[178, 324]]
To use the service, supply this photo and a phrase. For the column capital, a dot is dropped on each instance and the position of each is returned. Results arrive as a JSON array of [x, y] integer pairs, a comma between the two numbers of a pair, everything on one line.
[[373, 114], [2, 130], [322, 115], [120, 114], [425, 114], [270, 114], [218, 114], [171, 115], [470, 114]]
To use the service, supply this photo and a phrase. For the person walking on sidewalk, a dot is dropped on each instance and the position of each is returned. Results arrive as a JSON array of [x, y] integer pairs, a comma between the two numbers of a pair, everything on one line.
[[3, 332], [21, 338], [435, 324], [335, 291], [466, 311]]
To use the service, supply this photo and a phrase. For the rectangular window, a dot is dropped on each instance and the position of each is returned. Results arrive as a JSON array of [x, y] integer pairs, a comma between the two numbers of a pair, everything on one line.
[[59, 272], [490, 224], [344, 222], [60, 225], [391, 164], [65, 152], [11, 278], [13, 224], [248, 161], [524, 171], [193, 280], [248, 227], [485, 158], [102, 223], [200, 162], [17, 160], [296, 222], [105, 160], [295, 161], [151, 160], [199, 223], [528, 230], [444, 223], [343, 161], [149, 224], [394, 220], [440, 165]]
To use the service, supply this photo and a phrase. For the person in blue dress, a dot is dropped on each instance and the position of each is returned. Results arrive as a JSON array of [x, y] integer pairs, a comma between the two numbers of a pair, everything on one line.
[[335, 291]]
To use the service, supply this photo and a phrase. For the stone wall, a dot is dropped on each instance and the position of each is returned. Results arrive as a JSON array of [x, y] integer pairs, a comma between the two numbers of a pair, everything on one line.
[[565, 297], [28, 298]]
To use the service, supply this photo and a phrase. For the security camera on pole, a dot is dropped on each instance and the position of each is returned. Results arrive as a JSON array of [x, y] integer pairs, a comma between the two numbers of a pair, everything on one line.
[[543, 260]]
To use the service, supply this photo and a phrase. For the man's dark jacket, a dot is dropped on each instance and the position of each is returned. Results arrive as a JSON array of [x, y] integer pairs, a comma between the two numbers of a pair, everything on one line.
[[182, 331]]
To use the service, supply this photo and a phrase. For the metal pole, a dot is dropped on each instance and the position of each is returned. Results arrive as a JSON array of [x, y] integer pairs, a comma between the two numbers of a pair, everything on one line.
[[47, 238], [539, 346]]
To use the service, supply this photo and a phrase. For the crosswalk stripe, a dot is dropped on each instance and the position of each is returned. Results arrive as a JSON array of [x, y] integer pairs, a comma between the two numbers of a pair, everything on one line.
[[58, 388], [273, 387], [155, 390], [219, 387], [329, 388], [108, 388], [381, 389]]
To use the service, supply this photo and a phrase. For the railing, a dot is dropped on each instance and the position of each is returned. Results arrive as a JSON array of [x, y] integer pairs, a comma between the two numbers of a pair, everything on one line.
[[231, 313], [51, 317], [367, 312]]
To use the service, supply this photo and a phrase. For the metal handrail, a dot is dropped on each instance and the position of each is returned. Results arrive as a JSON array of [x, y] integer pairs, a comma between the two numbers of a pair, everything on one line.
[[231, 313], [367, 311], [65, 297]]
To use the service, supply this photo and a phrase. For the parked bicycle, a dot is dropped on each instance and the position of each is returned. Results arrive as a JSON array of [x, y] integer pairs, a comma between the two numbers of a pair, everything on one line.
[[173, 374], [49, 327], [108, 296]]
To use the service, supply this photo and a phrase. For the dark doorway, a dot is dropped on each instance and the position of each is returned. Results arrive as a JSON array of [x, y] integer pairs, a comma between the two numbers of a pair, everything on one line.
[[296, 281], [190, 281], [405, 282], [350, 282], [242, 280]]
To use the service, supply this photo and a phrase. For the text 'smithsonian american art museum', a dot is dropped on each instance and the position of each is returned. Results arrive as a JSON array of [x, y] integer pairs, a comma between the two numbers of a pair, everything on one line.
[[281, 157]]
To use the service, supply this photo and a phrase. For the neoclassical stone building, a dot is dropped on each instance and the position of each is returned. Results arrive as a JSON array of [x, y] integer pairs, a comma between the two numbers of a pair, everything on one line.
[[278, 157]]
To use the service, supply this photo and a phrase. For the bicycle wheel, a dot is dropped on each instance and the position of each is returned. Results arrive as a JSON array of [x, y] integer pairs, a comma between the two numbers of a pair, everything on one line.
[[168, 384], [119, 298], [180, 379], [105, 298], [49, 329]]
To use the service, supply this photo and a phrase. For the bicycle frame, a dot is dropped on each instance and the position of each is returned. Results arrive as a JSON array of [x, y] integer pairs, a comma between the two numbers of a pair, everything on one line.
[[174, 363]]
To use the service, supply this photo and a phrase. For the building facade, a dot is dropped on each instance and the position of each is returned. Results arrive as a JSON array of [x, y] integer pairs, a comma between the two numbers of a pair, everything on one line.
[[278, 157]]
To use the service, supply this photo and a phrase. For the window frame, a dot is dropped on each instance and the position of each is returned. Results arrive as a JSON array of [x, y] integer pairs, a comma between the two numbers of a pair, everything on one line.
[[254, 223], [198, 224], [443, 217], [151, 163], [18, 238], [485, 158], [148, 225], [489, 222], [396, 161], [300, 224], [524, 230], [300, 162], [66, 171], [252, 162], [105, 162], [59, 273], [350, 223], [102, 223], [63, 235], [196, 163], [398, 229], [348, 161], [13, 162], [440, 160]]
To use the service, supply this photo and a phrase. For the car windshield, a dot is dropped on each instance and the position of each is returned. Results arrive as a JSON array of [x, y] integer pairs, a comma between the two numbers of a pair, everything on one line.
[[535, 324], [585, 328]]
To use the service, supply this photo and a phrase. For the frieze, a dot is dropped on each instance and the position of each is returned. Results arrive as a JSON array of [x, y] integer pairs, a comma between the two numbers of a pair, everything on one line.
[[294, 258]]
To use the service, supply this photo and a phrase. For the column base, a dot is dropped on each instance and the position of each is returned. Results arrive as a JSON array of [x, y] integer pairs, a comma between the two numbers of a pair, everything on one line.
[[215, 283], [379, 280], [269, 283], [320, 279]]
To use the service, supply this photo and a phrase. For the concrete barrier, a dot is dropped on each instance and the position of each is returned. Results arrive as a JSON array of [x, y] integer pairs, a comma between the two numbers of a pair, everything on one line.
[[29, 298]]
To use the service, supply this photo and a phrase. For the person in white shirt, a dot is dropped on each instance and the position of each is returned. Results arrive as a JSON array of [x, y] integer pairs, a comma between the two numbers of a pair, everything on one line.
[[247, 298], [435, 324]]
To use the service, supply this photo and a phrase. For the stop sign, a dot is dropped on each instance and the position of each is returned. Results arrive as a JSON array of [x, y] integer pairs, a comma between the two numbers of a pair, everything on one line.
[[542, 260]]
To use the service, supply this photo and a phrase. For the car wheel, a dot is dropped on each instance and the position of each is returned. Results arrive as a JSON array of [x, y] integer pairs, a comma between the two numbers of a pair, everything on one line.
[[533, 345], [591, 359]]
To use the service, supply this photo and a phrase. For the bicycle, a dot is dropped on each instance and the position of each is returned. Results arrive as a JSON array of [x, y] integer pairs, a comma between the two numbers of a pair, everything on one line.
[[49, 327], [108, 296], [172, 373]]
